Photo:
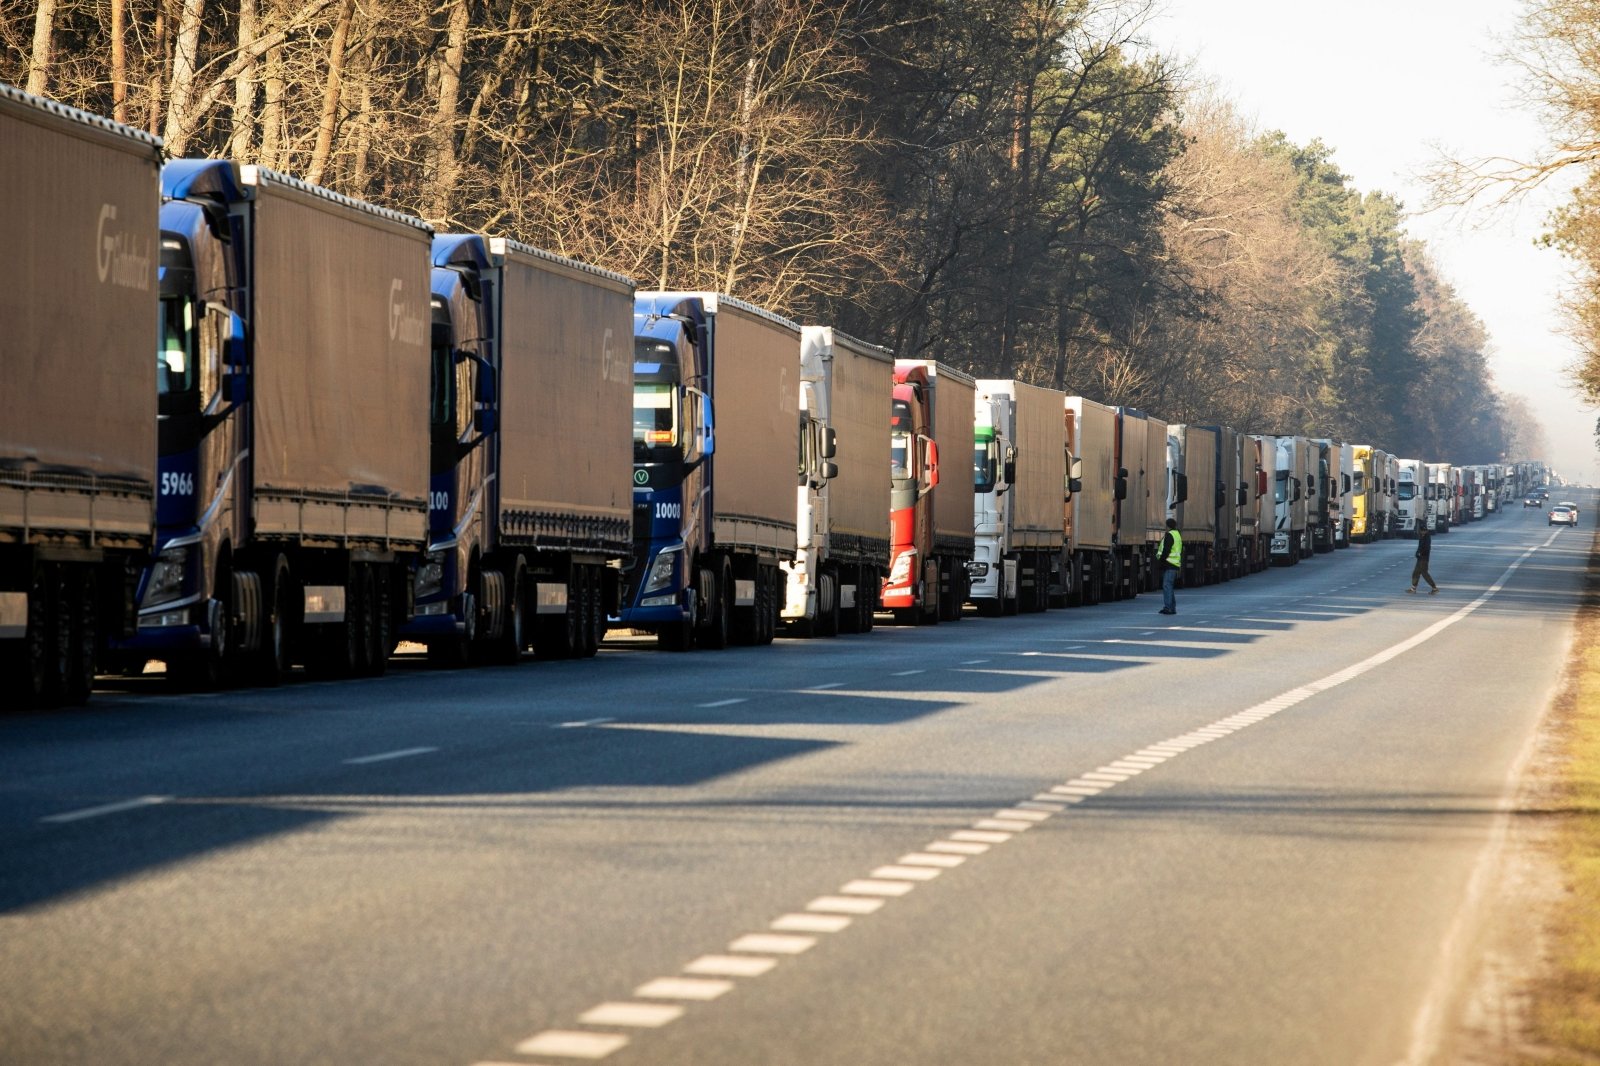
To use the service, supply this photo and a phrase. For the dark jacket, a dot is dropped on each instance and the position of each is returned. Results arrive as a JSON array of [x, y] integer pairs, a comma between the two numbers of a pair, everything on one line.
[[1424, 545]]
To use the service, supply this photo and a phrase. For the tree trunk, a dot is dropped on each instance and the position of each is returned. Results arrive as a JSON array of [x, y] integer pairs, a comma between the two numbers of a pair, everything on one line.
[[357, 185], [330, 94], [119, 61], [272, 112], [443, 168], [153, 119], [44, 28], [244, 87], [183, 69]]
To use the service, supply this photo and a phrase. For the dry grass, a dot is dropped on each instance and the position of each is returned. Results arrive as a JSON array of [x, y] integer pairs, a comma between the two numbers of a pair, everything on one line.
[[1565, 1019]]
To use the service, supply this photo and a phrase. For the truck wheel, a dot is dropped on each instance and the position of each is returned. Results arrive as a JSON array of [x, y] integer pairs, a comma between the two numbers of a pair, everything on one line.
[[828, 619], [80, 602], [203, 670], [272, 661], [594, 615], [507, 647], [773, 607], [720, 615]]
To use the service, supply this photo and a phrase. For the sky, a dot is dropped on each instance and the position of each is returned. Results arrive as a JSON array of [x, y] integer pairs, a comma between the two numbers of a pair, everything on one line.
[[1390, 85]]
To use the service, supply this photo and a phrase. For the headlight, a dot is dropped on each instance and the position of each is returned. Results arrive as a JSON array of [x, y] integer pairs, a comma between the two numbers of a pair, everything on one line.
[[166, 577], [900, 572], [663, 571], [430, 575]]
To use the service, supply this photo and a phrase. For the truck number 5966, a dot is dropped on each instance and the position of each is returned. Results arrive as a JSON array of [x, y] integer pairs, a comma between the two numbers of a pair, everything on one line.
[[177, 484]]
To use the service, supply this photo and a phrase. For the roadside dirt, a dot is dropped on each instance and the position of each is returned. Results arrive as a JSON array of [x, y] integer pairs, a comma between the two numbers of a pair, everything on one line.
[[1491, 1024]]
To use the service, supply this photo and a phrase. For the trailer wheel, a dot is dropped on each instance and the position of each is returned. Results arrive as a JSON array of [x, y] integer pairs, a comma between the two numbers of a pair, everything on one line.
[[80, 603], [593, 613]]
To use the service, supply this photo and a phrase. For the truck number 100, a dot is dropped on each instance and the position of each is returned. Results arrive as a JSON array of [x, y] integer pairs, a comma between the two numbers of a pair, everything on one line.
[[669, 510]]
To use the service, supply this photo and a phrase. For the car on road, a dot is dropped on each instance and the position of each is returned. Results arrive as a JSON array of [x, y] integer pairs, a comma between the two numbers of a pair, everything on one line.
[[1563, 513], [1533, 500]]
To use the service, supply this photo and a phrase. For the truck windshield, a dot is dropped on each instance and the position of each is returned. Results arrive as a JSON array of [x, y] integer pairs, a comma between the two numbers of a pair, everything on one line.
[[1408, 490], [655, 422], [177, 368], [900, 441], [1358, 483], [1280, 488], [985, 459]]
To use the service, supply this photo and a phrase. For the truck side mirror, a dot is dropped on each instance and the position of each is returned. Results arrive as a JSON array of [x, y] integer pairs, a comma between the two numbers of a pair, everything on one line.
[[1183, 488], [1122, 486], [1244, 494], [932, 463], [830, 444], [484, 421], [1074, 484], [830, 470], [1296, 498], [1010, 467]]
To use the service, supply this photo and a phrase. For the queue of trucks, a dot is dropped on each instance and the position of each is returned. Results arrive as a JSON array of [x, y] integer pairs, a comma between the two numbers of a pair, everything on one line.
[[358, 432]]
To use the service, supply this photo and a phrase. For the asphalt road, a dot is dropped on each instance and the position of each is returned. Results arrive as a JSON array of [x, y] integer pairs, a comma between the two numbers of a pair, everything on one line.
[[1247, 834]]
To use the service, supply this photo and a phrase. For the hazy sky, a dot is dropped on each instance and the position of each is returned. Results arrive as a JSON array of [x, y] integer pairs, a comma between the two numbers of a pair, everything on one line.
[[1388, 84]]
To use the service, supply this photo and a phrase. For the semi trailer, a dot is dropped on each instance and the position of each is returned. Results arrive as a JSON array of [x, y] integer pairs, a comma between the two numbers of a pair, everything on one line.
[[1020, 486], [530, 499], [78, 472], [842, 553], [293, 392], [1100, 564], [716, 403], [931, 538]]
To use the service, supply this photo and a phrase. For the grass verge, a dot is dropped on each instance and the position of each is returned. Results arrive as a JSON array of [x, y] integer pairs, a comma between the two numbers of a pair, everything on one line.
[[1565, 1016]]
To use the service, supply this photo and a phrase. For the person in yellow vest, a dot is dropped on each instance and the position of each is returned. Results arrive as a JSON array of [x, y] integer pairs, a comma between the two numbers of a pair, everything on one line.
[[1171, 558]]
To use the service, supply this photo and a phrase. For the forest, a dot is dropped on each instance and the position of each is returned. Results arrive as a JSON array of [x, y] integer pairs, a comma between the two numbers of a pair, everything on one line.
[[1020, 188]]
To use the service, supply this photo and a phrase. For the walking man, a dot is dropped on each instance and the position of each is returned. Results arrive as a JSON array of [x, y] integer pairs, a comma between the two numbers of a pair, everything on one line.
[[1171, 559], [1424, 547]]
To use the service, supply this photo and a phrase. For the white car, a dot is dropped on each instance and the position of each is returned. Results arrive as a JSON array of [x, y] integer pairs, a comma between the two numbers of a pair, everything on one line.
[[1564, 513]]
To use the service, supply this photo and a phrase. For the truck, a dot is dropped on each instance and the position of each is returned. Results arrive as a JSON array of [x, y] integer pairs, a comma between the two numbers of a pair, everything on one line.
[[78, 472], [293, 387], [1236, 517], [1411, 495], [842, 550], [1322, 515], [1020, 487], [1289, 539], [716, 418], [1196, 504], [530, 502], [1146, 497], [1256, 511], [931, 538], [1441, 495], [1101, 564], [1389, 494], [1364, 493]]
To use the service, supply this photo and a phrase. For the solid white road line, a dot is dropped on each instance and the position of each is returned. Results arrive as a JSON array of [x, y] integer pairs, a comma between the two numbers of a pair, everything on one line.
[[826, 684], [385, 756], [105, 808]]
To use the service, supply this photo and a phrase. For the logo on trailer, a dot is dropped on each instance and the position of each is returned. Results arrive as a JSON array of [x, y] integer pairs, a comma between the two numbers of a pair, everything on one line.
[[405, 325], [119, 258]]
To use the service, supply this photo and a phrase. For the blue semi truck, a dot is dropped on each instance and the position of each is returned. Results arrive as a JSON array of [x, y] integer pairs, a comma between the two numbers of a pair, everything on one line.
[[293, 386], [714, 496], [530, 500]]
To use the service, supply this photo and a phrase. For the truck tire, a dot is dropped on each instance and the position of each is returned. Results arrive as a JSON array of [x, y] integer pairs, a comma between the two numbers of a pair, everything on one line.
[[506, 649], [272, 661], [828, 620], [594, 615], [715, 633], [205, 669], [82, 602]]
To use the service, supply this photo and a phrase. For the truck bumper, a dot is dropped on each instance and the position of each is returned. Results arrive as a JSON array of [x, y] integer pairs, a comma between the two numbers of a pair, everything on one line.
[[154, 641], [650, 617], [432, 626]]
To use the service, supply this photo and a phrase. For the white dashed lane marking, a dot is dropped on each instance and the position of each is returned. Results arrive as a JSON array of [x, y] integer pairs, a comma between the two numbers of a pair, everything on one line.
[[708, 977], [724, 703]]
